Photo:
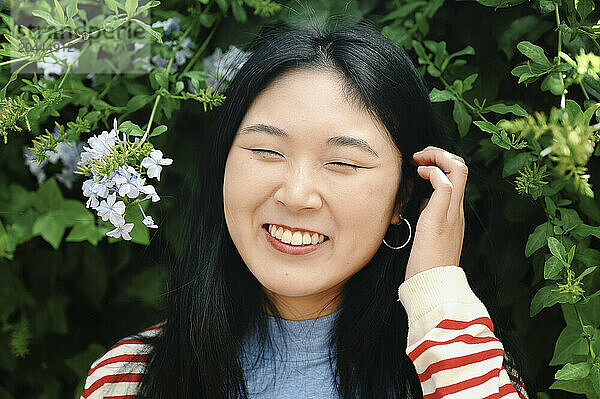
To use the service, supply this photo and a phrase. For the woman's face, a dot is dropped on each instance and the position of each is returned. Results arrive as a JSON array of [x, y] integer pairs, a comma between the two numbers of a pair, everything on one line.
[[306, 121]]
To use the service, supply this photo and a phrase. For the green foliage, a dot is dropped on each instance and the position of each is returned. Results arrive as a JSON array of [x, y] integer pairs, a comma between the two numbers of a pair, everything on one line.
[[518, 81]]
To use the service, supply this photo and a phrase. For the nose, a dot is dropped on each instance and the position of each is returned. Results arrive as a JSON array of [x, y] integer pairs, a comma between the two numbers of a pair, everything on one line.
[[299, 190]]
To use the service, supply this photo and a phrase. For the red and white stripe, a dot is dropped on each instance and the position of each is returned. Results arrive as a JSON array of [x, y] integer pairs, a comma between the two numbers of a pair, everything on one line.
[[117, 373], [451, 341]]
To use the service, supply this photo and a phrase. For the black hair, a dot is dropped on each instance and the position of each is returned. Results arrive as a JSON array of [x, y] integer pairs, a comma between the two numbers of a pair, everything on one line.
[[214, 300]]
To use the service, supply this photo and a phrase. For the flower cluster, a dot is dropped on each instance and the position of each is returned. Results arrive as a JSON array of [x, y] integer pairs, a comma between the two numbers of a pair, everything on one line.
[[66, 152], [170, 27], [50, 66], [221, 65], [116, 180]]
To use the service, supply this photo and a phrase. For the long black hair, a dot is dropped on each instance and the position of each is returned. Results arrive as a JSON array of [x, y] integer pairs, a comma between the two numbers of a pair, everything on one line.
[[213, 299]]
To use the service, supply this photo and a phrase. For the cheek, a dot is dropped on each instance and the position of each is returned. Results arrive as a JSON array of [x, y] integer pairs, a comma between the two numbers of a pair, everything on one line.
[[244, 188]]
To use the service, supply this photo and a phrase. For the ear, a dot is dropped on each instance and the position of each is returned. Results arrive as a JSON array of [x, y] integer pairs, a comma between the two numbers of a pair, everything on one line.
[[400, 205]]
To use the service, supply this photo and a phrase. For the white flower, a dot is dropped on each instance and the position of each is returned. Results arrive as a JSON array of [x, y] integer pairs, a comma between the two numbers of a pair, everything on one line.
[[128, 182], [169, 25], [109, 210], [225, 66], [99, 145], [149, 222], [87, 188], [100, 188], [150, 193], [50, 65], [68, 153], [121, 230], [155, 162]]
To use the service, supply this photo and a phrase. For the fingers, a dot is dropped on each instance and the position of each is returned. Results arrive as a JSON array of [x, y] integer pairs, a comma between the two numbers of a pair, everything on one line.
[[453, 169], [442, 193]]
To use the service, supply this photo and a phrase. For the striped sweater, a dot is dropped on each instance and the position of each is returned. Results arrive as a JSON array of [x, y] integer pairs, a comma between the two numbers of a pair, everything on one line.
[[450, 341]]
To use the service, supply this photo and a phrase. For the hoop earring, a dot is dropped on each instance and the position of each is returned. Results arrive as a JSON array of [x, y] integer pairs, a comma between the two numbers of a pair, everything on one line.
[[409, 236]]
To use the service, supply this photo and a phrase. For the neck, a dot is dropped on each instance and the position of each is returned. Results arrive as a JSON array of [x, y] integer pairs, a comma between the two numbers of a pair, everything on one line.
[[302, 308]]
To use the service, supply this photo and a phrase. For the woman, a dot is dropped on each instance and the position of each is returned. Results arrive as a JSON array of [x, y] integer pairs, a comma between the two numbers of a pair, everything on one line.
[[288, 287]]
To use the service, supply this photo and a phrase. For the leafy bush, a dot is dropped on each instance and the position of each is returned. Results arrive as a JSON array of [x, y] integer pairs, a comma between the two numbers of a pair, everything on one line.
[[516, 85]]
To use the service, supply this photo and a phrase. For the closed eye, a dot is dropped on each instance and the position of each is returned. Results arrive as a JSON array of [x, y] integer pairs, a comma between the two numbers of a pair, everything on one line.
[[260, 151], [271, 153], [346, 165]]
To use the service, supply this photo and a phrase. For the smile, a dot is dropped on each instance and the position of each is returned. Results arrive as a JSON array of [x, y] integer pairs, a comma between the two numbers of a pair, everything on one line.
[[299, 242]]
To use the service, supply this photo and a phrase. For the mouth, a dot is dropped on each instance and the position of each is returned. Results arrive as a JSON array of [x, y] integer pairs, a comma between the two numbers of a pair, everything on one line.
[[308, 238]]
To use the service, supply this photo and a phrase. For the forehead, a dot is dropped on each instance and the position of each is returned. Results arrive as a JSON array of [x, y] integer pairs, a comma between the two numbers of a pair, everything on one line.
[[315, 103]]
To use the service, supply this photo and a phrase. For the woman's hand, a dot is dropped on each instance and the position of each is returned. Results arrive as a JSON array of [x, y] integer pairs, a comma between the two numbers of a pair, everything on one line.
[[441, 225]]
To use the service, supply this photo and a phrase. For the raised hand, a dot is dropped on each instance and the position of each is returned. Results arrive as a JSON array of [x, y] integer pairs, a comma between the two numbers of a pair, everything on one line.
[[440, 229]]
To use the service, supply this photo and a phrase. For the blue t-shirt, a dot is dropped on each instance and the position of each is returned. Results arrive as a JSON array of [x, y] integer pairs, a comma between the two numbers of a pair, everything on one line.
[[301, 371]]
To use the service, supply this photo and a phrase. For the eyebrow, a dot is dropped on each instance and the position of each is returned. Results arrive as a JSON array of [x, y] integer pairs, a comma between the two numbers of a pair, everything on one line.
[[339, 141]]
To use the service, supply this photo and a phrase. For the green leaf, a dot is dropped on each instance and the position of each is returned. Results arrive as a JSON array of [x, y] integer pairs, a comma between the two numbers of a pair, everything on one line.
[[595, 379], [461, 117], [131, 129], [574, 112], [515, 109], [158, 130], [534, 53], [139, 234], [138, 102], [586, 272], [554, 84], [46, 16], [570, 343], [583, 230], [59, 14], [50, 227], [587, 115], [179, 86], [584, 8], [517, 163], [112, 5], [161, 76], [223, 5], [583, 386], [238, 11], [155, 34], [553, 268], [85, 232], [80, 363], [546, 297], [556, 248], [469, 80], [438, 96], [538, 238], [48, 196], [130, 7], [71, 9], [207, 19], [573, 371], [487, 126]]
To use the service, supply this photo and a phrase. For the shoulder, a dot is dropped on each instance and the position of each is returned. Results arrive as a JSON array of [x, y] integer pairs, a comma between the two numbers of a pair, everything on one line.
[[120, 369]]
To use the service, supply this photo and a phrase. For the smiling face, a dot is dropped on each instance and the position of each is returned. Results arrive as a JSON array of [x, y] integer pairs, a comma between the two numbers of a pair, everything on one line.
[[310, 129]]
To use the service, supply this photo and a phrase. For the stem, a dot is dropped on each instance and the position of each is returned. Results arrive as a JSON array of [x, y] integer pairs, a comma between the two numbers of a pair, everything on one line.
[[588, 340], [76, 40], [557, 15], [462, 100], [584, 91], [201, 48], [69, 68], [158, 97]]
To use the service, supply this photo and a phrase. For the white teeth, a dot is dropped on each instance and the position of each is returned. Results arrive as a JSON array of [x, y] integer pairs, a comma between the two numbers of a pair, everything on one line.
[[306, 238], [295, 238], [279, 233], [286, 236], [314, 238]]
